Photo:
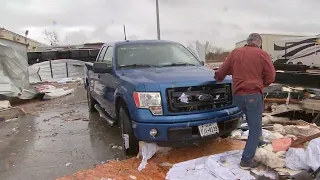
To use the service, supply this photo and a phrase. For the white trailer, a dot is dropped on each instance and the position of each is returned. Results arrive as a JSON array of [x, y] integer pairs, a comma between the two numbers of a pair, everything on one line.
[[303, 51], [268, 41]]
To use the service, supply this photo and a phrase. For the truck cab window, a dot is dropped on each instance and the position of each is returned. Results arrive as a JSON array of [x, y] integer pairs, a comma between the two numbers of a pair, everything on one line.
[[149, 54], [108, 56]]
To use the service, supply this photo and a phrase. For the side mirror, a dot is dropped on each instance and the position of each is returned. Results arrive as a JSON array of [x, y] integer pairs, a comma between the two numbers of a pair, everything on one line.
[[101, 67], [202, 63]]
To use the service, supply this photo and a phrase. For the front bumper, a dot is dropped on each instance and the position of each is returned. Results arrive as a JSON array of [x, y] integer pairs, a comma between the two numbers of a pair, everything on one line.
[[184, 132]]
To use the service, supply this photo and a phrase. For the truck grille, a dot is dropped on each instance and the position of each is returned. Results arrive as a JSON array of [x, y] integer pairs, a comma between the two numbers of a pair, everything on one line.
[[199, 98]]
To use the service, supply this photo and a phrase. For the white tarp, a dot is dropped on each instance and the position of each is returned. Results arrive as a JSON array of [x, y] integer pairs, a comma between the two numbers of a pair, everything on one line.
[[313, 154], [224, 166], [14, 76]]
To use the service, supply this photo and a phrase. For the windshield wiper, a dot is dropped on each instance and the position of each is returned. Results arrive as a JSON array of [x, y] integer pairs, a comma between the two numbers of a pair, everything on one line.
[[179, 64], [136, 65]]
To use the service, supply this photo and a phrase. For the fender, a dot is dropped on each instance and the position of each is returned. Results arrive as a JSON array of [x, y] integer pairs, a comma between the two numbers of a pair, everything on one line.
[[127, 96]]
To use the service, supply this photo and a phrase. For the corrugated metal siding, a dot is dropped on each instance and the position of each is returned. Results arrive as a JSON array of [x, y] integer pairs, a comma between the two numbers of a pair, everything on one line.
[[18, 47], [75, 69]]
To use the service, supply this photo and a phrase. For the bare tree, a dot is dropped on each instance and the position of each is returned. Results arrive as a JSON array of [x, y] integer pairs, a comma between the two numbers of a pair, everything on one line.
[[52, 37], [216, 54]]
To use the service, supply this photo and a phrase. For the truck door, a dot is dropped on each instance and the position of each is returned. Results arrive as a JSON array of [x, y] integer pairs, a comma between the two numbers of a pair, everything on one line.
[[94, 78], [109, 82]]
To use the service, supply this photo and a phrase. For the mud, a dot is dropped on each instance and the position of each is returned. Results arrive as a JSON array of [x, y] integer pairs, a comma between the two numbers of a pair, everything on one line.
[[56, 133]]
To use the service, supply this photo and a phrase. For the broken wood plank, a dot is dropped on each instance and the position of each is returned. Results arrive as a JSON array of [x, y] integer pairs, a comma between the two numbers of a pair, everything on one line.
[[302, 140], [281, 101], [11, 113], [311, 104]]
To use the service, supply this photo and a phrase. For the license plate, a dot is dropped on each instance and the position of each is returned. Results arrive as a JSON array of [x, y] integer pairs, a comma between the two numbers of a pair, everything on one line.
[[208, 129]]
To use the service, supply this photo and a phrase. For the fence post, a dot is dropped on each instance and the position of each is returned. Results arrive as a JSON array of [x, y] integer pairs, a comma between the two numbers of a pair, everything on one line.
[[51, 68], [39, 74], [67, 69]]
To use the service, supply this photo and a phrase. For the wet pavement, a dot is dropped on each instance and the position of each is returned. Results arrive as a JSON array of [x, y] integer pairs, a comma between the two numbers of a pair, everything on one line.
[[60, 140]]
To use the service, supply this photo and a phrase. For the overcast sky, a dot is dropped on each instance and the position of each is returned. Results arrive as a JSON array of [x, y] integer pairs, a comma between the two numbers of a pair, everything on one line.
[[221, 22]]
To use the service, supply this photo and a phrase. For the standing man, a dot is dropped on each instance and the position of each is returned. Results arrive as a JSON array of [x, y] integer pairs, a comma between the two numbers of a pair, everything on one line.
[[252, 70]]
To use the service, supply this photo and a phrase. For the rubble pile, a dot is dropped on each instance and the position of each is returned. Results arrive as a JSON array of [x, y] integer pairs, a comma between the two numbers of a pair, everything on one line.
[[157, 166]]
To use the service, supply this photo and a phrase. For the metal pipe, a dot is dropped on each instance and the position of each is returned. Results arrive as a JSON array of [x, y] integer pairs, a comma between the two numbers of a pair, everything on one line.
[[158, 19]]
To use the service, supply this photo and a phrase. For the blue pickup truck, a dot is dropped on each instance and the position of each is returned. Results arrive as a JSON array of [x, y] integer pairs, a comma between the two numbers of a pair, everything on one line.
[[158, 91]]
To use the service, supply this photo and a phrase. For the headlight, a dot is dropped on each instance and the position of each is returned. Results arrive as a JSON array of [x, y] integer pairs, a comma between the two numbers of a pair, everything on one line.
[[149, 100]]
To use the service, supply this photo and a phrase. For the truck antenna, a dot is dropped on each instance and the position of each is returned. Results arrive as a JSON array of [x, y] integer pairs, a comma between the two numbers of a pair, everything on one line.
[[124, 31]]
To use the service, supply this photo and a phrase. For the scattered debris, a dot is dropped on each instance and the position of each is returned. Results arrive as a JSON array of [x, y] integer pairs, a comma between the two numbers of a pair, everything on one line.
[[296, 159], [165, 164], [75, 118], [10, 113], [132, 177], [184, 98], [116, 147], [4, 104], [210, 167], [54, 134], [282, 144], [68, 164], [269, 158], [15, 130], [51, 92], [147, 150], [12, 119]]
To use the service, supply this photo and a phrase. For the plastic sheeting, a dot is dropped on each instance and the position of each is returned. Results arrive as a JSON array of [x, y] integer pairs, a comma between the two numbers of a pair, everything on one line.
[[14, 76], [296, 159], [313, 154], [224, 166], [52, 92], [148, 150]]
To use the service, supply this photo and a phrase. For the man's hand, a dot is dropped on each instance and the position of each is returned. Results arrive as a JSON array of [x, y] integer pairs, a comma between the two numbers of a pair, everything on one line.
[[217, 77]]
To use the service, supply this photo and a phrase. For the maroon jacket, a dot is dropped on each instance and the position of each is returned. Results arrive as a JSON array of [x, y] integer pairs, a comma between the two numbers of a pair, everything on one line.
[[251, 69]]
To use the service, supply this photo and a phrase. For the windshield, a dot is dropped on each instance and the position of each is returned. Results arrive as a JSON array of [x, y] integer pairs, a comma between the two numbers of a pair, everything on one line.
[[155, 54]]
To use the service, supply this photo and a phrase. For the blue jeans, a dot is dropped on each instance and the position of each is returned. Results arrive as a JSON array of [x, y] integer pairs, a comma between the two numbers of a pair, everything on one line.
[[252, 106]]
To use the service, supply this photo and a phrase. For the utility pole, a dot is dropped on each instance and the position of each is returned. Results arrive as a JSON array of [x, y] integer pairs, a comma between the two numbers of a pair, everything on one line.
[[124, 31], [158, 21]]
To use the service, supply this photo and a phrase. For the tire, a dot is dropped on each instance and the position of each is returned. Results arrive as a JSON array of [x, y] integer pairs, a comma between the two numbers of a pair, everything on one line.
[[91, 102], [299, 63], [130, 143], [290, 62]]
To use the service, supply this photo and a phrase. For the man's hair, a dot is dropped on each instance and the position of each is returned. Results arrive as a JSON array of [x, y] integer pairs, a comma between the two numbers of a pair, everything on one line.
[[254, 38]]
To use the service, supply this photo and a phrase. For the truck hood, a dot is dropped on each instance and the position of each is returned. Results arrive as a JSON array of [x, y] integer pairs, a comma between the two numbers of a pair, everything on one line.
[[169, 74]]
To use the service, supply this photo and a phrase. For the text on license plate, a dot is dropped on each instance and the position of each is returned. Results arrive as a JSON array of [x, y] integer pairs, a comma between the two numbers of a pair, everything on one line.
[[208, 129]]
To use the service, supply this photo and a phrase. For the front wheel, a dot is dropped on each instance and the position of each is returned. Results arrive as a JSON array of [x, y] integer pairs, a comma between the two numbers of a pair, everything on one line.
[[130, 143]]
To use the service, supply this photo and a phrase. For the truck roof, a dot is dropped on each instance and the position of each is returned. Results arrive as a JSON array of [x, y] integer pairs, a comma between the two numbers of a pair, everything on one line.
[[119, 43]]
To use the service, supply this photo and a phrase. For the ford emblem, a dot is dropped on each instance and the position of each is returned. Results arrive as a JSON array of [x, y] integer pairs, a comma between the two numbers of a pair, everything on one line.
[[205, 97]]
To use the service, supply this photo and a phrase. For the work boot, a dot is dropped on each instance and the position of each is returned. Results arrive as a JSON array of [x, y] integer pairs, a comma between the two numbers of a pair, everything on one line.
[[249, 165], [261, 143]]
